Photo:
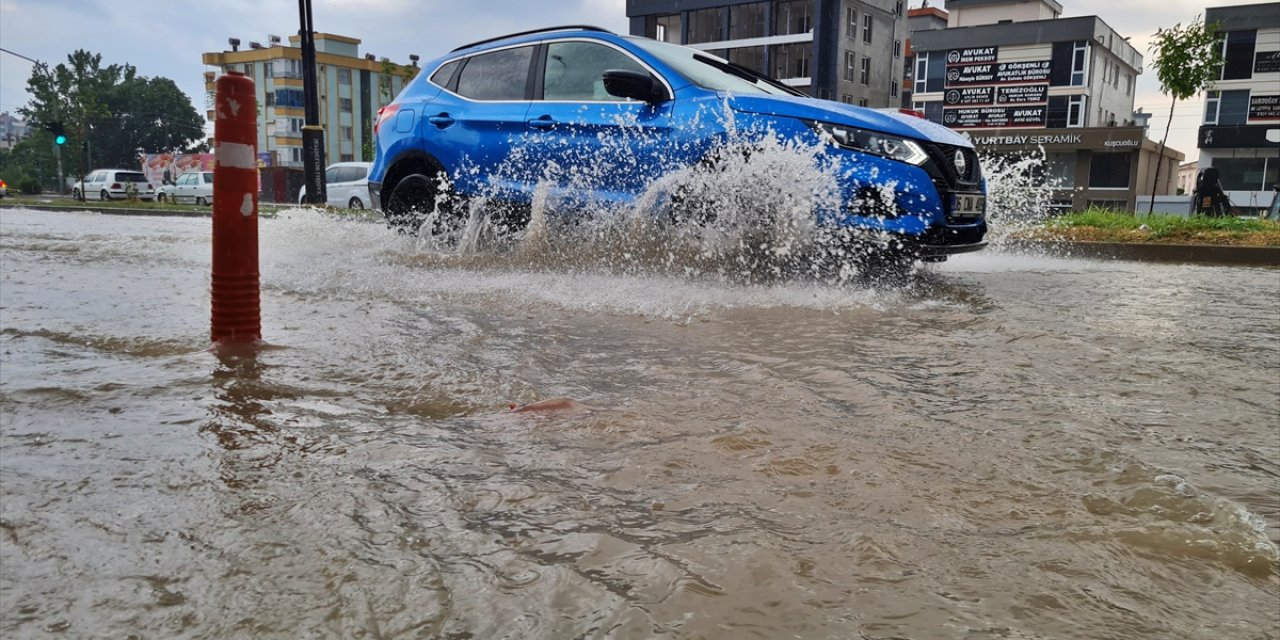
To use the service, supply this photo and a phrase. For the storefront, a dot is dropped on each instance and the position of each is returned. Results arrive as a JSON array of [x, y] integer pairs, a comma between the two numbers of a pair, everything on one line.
[[1090, 167]]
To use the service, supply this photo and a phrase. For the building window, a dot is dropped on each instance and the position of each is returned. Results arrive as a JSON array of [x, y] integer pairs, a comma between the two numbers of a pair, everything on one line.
[[862, 102], [897, 48], [1075, 111], [248, 69], [1238, 54], [346, 133], [1248, 174], [344, 76], [749, 57], [1233, 107], [897, 9], [791, 60], [663, 28], [706, 25], [792, 17], [867, 23], [922, 72], [271, 97], [344, 105], [893, 88], [851, 23], [846, 98], [346, 157], [1110, 170], [295, 154], [864, 77], [1211, 107], [850, 67], [1128, 84], [1079, 55], [746, 21]]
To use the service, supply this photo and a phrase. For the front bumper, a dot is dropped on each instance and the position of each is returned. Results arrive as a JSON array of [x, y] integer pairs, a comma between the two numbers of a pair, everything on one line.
[[375, 195]]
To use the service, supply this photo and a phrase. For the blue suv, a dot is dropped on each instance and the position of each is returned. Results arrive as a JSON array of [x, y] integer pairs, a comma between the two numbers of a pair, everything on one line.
[[608, 116]]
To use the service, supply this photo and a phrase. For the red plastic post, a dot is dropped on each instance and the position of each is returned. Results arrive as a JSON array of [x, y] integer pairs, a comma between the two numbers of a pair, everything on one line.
[[237, 316]]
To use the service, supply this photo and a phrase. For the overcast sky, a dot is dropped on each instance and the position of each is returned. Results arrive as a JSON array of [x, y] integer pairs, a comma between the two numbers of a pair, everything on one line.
[[166, 37]]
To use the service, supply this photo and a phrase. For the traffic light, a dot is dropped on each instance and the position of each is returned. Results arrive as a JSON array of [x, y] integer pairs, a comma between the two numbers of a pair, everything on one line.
[[59, 132]]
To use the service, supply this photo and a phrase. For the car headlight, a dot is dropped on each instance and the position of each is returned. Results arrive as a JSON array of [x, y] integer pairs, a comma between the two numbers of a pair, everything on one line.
[[872, 142]]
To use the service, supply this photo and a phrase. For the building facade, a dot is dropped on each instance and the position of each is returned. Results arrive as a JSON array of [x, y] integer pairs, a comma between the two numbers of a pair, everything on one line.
[[846, 50], [351, 89], [12, 130], [1019, 78], [1240, 132]]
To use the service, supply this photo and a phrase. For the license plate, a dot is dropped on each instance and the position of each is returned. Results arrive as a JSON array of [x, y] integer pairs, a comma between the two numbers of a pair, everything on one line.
[[968, 204]]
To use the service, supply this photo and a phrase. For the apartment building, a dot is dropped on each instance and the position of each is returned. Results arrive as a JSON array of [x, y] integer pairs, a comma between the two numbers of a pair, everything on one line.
[[1240, 132], [846, 50], [351, 88], [1019, 78]]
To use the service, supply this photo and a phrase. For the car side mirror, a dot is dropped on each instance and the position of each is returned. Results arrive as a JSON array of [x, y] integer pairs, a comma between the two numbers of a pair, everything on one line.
[[634, 85]]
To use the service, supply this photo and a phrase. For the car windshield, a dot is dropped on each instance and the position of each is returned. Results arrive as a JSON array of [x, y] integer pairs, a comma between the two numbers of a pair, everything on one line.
[[130, 177], [709, 72]]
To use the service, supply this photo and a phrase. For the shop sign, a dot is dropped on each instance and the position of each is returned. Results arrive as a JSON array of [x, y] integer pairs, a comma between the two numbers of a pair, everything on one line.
[[969, 95], [985, 117], [977, 55], [1023, 94], [1266, 62], [1103, 139], [1239, 137], [1001, 73], [1264, 108]]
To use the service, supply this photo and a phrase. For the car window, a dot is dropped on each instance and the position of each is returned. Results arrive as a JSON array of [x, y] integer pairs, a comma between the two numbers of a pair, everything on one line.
[[359, 173], [501, 75], [445, 73], [208, 178], [708, 71], [575, 70], [331, 175], [130, 176], [96, 177]]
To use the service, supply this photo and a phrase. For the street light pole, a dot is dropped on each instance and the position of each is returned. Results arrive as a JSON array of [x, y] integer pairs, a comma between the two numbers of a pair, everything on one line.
[[312, 132]]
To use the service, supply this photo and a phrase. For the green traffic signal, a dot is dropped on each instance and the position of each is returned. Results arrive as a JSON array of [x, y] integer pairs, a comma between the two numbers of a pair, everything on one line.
[[60, 140], [59, 132]]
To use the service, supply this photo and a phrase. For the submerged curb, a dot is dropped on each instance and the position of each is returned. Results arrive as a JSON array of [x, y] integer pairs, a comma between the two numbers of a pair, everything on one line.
[[1141, 251], [1153, 252]]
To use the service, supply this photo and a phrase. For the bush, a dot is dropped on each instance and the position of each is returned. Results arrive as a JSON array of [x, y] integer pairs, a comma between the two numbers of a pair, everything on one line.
[[28, 185]]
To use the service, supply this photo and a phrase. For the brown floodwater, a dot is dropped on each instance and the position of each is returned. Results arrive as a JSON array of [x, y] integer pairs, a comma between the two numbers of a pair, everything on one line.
[[1001, 446]]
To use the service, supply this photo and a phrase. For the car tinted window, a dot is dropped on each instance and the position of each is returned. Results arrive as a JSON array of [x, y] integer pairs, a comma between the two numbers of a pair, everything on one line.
[[130, 176], [501, 75], [208, 178], [575, 70], [331, 174], [359, 173], [183, 180], [444, 74]]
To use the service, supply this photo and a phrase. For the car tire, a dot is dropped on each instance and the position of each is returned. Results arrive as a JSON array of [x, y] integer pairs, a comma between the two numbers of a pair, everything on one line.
[[200, 201], [75, 195], [104, 195], [355, 203], [412, 199], [160, 197]]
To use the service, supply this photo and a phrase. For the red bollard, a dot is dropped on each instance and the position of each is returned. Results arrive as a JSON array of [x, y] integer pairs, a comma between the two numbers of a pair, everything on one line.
[[237, 316]]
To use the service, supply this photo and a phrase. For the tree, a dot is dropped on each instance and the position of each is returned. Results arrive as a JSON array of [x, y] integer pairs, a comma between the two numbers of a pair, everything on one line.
[[1187, 60], [111, 108]]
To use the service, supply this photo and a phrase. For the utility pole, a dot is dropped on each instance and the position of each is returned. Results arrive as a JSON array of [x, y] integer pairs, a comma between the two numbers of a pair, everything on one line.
[[312, 132]]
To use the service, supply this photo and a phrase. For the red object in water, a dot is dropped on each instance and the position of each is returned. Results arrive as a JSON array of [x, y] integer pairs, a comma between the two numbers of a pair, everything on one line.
[[237, 316]]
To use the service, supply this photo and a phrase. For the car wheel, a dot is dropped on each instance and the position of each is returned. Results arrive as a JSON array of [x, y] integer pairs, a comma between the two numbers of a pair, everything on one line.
[[411, 202], [104, 195], [200, 200], [160, 197], [355, 204], [75, 195]]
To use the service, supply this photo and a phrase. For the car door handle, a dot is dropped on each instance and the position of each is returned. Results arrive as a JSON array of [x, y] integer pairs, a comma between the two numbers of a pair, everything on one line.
[[544, 122], [442, 121]]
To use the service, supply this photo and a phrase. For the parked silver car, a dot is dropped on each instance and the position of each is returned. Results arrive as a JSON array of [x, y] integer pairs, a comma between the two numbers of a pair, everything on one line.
[[194, 187], [346, 185]]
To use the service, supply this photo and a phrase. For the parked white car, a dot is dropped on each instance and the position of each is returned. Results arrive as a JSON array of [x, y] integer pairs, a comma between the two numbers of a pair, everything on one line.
[[346, 185], [194, 187], [109, 184]]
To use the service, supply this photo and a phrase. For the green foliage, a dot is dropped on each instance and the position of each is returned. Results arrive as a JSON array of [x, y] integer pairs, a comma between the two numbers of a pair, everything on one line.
[[28, 185], [112, 107], [1187, 59], [1161, 225]]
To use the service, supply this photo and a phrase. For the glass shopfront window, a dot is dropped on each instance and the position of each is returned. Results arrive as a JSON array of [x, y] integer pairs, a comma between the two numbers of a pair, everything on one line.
[[1110, 170], [746, 21], [749, 57], [792, 17], [1248, 174], [706, 25], [663, 28]]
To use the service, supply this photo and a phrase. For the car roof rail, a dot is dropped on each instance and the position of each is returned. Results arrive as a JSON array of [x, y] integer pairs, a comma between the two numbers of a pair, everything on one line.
[[567, 27]]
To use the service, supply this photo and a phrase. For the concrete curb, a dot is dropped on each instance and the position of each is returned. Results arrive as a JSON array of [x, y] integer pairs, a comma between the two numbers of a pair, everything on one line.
[[1153, 252], [110, 211]]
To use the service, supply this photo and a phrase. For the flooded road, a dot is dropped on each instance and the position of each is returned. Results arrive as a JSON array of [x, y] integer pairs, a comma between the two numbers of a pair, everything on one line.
[[1006, 447]]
